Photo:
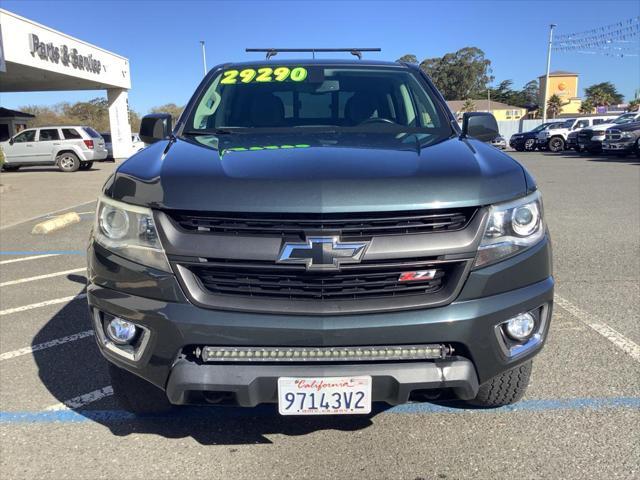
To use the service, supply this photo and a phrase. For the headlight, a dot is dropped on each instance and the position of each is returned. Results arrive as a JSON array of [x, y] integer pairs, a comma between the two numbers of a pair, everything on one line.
[[597, 133], [129, 231], [512, 227], [626, 135]]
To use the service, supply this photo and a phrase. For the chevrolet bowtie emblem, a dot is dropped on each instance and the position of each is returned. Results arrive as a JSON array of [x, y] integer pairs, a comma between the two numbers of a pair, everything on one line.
[[322, 253]]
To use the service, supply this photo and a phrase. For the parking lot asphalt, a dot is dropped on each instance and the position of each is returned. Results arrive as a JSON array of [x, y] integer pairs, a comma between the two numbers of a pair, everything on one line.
[[31, 192], [580, 417]]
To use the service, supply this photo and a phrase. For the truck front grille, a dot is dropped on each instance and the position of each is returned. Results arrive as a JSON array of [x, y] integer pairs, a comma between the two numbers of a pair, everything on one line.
[[585, 134], [347, 224], [352, 282], [614, 134]]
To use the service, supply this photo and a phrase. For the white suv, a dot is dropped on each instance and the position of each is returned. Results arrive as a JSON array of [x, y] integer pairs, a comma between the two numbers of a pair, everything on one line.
[[555, 139], [69, 147]]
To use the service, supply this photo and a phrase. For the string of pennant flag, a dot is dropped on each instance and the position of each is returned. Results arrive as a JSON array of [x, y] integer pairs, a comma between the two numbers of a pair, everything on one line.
[[616, 40], [600, 30]]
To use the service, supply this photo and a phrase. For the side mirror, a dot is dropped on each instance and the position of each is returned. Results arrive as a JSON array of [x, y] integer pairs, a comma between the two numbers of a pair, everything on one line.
[[11, 141], [480, 125], [155, 127]]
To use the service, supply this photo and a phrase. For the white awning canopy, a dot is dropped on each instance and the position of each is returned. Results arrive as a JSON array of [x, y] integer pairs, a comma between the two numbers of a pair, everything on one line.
[[34, 57]]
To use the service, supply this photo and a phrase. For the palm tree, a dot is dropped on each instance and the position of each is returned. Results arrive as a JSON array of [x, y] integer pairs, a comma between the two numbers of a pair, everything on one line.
[[601, 97], [586, 107], [469, 105], [634, 105], [554, 106]]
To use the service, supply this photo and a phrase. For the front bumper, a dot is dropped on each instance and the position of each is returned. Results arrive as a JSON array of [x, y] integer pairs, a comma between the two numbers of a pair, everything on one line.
[[618, 146], [251, 385], [594, 144], [155, 301]]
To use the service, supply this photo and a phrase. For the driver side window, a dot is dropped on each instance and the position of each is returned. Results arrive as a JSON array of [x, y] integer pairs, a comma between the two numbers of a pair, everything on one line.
[[26, 136]]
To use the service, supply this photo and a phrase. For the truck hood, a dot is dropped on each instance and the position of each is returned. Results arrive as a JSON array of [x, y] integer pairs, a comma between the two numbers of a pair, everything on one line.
[[319, 173]]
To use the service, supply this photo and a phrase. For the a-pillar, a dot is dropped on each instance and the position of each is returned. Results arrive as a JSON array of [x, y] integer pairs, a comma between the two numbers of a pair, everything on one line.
[[118, 100]]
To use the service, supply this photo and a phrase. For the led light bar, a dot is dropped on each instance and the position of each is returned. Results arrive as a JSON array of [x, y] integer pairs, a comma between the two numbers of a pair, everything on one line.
[[323, 354]]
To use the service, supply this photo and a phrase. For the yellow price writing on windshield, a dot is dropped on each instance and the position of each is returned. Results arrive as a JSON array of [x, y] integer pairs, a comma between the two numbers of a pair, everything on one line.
[[264, 75]]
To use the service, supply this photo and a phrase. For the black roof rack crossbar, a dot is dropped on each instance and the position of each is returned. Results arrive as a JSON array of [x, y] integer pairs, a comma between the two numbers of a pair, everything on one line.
[[271, 52]]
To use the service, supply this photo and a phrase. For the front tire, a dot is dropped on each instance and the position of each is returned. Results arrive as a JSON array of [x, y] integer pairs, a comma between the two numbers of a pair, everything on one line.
[[504, 389], [11, 168], [68, 162], [556, 144], [137, 395], [530, 145]]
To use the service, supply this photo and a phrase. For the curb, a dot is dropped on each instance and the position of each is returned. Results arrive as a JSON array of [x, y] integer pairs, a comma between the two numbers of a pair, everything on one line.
[[57, 223]]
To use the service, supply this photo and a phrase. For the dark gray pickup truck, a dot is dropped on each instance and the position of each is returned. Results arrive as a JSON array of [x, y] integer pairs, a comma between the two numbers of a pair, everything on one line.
[[319, 235]]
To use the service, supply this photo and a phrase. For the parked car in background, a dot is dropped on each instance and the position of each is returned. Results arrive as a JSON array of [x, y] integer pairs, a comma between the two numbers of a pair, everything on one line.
[[623, 140], [499, 142], [555, 139], [527, 140], [572, 141], [590, 139], [136, 144], [71, 148]]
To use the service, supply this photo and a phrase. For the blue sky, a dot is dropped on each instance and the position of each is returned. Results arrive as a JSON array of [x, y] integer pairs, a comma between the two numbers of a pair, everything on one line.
[[161, 38]]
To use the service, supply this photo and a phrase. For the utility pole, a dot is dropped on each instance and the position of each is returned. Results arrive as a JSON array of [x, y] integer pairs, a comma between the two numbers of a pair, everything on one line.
[[204, 57], [546, 81], [489, 99]]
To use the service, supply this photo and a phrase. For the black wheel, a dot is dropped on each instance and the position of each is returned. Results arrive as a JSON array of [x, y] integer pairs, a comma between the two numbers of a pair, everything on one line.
[[530, 145], [68, 162], [11, 168], [137, 395], [86, 165], [505, 389], [519, 149], [556, 144]]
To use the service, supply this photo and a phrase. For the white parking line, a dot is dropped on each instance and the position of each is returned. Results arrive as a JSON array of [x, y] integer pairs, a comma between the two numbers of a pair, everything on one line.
[[31, 257], [82, 400], [42, 304], [45, 345], [619, 340], [41, 277]]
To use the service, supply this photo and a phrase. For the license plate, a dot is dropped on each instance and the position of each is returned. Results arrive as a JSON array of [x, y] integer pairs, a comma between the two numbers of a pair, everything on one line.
[[324, 395]]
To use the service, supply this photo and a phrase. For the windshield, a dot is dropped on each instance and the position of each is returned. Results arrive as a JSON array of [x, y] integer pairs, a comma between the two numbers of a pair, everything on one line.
[[626, 118], [312, 96], [541, 127]]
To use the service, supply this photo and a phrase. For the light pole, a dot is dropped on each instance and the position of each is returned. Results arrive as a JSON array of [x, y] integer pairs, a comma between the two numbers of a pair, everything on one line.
[[546, 81], [204, 57]]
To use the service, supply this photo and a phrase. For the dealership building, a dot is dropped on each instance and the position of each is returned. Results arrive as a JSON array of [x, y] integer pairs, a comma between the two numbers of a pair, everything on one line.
[[34, 57]]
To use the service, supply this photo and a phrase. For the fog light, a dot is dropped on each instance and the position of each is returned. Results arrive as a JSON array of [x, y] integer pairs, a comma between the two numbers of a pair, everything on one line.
[[521, 326], [120, 331]]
